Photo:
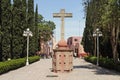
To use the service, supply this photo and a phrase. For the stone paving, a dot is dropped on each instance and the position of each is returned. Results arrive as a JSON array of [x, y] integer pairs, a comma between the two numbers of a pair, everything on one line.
[[41, 70]]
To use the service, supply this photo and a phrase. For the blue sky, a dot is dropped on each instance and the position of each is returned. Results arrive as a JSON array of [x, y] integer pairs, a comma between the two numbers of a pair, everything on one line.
[[73, 26]]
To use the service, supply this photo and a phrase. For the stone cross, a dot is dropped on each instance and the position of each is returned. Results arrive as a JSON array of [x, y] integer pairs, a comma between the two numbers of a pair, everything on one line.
[[62, 15]]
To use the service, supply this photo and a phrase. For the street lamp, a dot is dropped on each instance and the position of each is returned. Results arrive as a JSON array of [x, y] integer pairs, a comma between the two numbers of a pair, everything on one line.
[[27, 33], [97, 34]]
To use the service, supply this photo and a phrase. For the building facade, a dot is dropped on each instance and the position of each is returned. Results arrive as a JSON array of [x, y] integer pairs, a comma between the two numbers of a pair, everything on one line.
[[74, 43]]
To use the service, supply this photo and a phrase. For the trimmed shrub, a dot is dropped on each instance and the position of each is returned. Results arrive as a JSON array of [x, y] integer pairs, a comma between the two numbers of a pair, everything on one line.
[[87, 58], [104, 62], [117, 67], [10, 65], [91, 59], [34, 59], [16, 63]]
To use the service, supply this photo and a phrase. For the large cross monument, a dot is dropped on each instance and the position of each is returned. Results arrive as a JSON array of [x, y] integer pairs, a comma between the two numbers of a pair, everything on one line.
[[60, 62], [62, 15]]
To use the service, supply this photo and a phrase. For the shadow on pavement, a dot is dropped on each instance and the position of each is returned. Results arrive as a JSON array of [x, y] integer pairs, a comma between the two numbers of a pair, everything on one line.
[[97, 70]]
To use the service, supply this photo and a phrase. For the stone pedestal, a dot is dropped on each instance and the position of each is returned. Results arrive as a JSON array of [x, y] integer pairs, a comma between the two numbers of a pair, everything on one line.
[[62, 60]]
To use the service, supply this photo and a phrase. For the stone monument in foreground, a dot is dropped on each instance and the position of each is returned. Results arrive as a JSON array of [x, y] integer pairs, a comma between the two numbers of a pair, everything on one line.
[[62, 60]]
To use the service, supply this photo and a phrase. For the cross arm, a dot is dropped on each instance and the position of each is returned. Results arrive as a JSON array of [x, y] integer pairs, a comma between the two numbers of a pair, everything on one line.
[[68, 15], [57, 15]]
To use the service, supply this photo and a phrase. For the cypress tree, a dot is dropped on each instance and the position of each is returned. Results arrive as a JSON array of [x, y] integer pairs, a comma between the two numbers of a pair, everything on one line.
[[5, 28], [30, 24], [17, 29], [36, 30], [0, 34], [0, 13], [11, 32], [0, 16], [24, 26], [87, 40]]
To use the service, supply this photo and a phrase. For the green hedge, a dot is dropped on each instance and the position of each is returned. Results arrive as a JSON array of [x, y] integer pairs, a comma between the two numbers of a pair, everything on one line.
[[16, 63], [104, 62], [91, 59], [34, 59]]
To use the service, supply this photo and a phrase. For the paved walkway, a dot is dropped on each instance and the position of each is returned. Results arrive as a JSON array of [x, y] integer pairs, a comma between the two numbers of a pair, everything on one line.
[[41, 70]]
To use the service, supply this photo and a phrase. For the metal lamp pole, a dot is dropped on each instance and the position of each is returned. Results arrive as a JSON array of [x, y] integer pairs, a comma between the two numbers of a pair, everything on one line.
[[97, 34], [27, 33], [27, 62], [97, 50]]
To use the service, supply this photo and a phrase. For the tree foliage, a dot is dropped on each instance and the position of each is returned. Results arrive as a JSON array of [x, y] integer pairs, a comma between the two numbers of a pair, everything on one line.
[[16, 17], [106, 16], [46, 30], [0, 32], [17, 29], [36, 30], [5, 29], [31, 24]]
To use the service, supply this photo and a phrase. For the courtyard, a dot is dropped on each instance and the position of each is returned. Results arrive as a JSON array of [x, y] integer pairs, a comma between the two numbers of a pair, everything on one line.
[[41, 70]]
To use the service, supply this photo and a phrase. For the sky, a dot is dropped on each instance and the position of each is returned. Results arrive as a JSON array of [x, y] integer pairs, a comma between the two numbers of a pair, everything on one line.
[[73, 26]]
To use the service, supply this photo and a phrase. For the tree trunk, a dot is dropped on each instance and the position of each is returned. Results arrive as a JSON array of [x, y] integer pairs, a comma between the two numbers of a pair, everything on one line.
[[114, 41]]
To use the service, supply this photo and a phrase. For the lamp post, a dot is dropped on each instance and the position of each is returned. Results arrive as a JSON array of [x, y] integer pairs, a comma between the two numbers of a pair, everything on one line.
[[27, 33], [97, 34]]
